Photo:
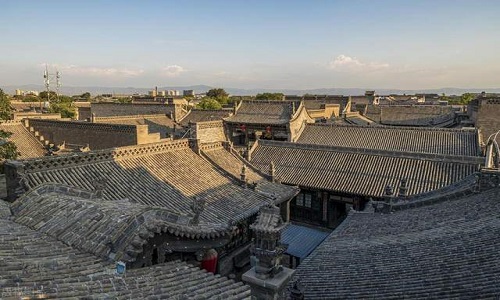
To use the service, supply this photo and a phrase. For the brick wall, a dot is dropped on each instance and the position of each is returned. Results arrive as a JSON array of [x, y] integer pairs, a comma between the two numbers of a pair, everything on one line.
[[210, 131], [97, 136], [133, 109], [488, 118]]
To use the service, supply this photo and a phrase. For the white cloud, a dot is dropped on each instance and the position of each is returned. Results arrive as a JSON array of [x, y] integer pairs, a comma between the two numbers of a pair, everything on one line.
[[96, 71], [173, 70], [352, 64]]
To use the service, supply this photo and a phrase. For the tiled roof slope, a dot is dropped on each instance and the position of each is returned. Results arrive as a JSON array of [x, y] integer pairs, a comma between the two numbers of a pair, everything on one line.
[[32, 263], [419, 115], [360, 171], [202, 115], [27, 144], [130, 109], [231, 163], [439, 141], [263, 112], [156, 123], [443, 251], [119, 228], [167, 174]]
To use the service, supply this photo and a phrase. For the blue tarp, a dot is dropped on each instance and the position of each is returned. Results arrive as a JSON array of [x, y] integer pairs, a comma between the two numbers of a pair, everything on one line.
[[302, 240]]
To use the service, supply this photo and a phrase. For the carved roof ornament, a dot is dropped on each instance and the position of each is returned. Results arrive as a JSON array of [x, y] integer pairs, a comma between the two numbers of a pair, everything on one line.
[[389, 191], [272, 171], [197, 206], [99, 185], [296, 291], [267, 246], [403, 188], [243, 174]]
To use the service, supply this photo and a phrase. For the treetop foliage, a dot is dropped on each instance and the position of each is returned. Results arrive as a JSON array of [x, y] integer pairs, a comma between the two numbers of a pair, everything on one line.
[[5, 109], [209, 103], [270, 96]]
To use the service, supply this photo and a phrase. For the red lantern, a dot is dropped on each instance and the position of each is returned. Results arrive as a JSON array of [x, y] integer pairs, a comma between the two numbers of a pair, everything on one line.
[[268, 129], [209, 261], [243, 127]]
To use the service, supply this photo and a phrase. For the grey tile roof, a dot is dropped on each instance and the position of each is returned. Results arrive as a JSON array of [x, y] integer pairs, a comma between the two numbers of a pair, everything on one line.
[[320, 101], [27, 144], [443, 251], [202, 115], [418, 115], [301, 240], [32, 263], [360, 171], [263, 112], [163, 174], [80, 219], [432, 140], [232, 163], [159, 123], [129, 109]]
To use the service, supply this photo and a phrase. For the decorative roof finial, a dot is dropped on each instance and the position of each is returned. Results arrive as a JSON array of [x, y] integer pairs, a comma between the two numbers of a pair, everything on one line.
[[296, 292], [197, 206], [99, 185], [272, 172], [403, 188]]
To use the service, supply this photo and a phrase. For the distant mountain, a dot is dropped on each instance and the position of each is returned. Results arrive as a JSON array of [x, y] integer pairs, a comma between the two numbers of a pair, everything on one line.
[[96, 90]]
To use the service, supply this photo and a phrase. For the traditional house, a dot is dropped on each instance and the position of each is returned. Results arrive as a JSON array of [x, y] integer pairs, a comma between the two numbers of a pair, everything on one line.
[[161, 175], [337, 167], [61, 242], [270, 120], [442, 245]]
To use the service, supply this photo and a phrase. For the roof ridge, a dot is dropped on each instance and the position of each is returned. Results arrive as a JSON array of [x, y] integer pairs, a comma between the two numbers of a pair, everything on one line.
[[389, 127], [367, 151], [62, 161]]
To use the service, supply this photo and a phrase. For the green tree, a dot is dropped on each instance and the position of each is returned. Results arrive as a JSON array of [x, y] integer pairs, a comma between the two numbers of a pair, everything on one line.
[[86, 96], [5, 109], [443, 97], [32, 98], [8, 149], [52, 96], [218, 94], [64, 106], [270, 96], [209, 103], [466, 98]]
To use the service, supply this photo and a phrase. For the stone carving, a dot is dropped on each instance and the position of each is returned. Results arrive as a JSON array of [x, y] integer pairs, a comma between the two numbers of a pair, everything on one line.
[[266, 246], [99, 185], [197, 206]]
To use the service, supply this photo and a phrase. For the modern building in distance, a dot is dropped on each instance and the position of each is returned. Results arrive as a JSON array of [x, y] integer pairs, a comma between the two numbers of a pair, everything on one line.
[[188, 93]]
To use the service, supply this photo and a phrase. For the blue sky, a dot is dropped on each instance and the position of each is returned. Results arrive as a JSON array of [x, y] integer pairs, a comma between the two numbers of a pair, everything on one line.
[[405, 44]]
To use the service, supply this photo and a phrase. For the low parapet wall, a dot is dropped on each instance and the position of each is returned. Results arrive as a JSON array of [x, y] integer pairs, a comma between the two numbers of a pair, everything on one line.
[[209, 131], [96, 136], [175, 111]]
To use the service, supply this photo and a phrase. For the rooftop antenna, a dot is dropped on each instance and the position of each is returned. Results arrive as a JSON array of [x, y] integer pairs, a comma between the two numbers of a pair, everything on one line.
[[49, 78]]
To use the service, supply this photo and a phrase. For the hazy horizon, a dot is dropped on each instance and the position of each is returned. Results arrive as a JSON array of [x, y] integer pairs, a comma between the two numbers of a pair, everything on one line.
[[387, 44]]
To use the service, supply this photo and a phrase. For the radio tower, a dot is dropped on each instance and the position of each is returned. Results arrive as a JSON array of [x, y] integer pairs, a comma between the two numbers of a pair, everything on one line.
[[49, 79]]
